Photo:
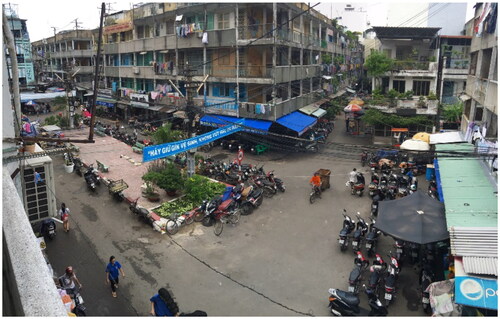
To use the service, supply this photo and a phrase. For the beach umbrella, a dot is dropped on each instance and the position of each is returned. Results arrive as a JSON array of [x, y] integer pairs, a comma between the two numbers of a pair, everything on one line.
[[415, 145], [357, 101]]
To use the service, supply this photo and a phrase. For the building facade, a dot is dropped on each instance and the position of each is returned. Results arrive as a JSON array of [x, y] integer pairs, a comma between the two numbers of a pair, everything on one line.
[[481, 101], [23, 46], [67, 51], [259, 60]]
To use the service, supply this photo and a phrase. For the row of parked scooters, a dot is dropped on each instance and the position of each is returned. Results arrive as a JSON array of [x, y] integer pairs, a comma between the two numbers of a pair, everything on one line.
[[90, 174], [360, 235], [232, 173]]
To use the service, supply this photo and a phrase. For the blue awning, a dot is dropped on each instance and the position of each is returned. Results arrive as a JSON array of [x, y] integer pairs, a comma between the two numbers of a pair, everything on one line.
[[297, 122], [222, 120]]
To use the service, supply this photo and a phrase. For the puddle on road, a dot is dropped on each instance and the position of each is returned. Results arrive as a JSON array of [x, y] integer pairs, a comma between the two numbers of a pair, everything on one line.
[[89, 212]]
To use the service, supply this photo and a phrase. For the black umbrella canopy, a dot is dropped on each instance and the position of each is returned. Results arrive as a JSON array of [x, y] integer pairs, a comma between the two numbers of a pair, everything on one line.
[[416, 218]]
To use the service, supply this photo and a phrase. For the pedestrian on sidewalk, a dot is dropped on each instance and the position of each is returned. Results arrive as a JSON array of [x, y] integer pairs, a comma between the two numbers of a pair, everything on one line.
[[64, 214], [163, 305], [113, 270]]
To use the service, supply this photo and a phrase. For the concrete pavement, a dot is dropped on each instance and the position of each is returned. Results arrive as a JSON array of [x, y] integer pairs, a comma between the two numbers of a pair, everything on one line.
[[279, 261]]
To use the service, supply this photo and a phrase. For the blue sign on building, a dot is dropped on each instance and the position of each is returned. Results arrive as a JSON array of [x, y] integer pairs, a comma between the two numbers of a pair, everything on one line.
[[476, 292], [155, 152]]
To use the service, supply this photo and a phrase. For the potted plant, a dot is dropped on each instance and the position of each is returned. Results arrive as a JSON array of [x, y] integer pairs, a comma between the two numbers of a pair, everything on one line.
[[421, 102], [150, 193], [69, 165]]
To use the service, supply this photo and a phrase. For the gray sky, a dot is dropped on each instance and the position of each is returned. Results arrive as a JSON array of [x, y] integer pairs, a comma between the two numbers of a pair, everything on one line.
[[42, 15]]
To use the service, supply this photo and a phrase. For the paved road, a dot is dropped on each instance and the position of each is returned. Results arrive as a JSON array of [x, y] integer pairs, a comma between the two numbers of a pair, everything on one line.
[[279, 261]]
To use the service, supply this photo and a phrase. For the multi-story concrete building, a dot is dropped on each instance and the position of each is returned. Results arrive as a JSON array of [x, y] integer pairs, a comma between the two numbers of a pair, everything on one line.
[[259, 60], [23, 46], [415, 54], [454, 53], [481, 102], [67, 51]]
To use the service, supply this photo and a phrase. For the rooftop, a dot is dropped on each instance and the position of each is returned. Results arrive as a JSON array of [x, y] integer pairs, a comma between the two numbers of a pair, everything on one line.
[[469, 195], [405, 32]]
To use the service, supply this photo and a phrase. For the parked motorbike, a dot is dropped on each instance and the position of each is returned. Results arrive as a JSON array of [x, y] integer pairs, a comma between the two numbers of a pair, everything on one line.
[[375, 280], [141, 212], [252, 199], [348, 226], [356, 274], [426, 278], [374, 206], [90, 180], [48, 228], [276, 181], [432, 189], [95, 173], [79, 310], [78, 166], [343, 303], [390, 280], [359, 233], [358, 187], [372, 238]]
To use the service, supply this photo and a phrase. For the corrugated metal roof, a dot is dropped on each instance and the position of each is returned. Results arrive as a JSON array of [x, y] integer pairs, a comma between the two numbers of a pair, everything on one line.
[[470, 198], [480, 265], [474, 241]]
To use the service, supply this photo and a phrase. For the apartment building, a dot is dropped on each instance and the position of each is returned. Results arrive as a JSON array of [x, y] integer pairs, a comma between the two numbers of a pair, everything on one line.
[[481, 99], [67, 51], [255, 60], [22, 44], [454, 54]]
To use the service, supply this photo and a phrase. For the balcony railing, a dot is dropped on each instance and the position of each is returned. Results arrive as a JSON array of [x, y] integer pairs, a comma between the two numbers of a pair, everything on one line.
[[410, 65], [255, 31]]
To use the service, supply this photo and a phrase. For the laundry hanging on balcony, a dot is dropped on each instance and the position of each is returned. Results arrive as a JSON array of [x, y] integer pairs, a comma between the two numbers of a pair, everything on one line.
[[184, 30]]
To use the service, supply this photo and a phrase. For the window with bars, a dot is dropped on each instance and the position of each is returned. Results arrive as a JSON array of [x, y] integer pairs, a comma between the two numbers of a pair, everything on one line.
[[399, 86], [37, 202], [224, 57], [485, 63], [223, 21], [421, 87], [473, 63]]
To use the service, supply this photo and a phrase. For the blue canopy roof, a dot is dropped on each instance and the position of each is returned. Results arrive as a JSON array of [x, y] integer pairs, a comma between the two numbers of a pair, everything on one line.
[[222, 120], [297, 121]]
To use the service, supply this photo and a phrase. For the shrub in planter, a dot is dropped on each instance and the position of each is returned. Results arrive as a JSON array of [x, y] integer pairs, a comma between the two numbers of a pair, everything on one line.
[[197, 188], [169, 179]]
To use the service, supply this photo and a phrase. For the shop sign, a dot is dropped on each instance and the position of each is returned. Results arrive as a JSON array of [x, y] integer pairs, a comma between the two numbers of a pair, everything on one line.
[[120, 27], [476, 292]]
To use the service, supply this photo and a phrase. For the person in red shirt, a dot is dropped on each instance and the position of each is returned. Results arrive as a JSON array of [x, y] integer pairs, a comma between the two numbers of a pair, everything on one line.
[[315, 181]]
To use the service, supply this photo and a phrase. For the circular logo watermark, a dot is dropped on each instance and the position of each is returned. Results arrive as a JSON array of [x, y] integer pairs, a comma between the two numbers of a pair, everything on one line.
[[471, 289]]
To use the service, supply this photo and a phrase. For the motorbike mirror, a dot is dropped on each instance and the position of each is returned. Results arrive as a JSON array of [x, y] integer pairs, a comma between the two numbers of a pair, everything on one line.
[[331, 291], [345, 211], [358, 213]]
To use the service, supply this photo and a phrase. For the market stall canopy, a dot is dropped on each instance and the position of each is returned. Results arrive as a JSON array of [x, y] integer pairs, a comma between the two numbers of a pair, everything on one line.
[[446, 137], [319, 113], [308, 110], [353, 108], [415, 145], [297, 122], [423, 136], [416, 218]]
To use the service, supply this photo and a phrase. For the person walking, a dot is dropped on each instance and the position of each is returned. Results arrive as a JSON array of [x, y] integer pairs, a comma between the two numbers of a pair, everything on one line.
[[353, 176], [64, 214], [113, 270]]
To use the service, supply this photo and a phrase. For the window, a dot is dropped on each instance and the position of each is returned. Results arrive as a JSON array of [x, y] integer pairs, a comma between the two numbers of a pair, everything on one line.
[[473, 63], [403, 52], [170, 27], [399, 86], [223, 89], [467, 106], [421, 87], [478, 113], [224, 57], [223, 21], [388, 53], [485, 63], [140, 31]]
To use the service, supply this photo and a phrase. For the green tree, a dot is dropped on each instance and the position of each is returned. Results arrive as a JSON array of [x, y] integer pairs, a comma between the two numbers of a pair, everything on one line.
[[165, 134], [169, 179], [377, 64], [373, 116], [452, 112]]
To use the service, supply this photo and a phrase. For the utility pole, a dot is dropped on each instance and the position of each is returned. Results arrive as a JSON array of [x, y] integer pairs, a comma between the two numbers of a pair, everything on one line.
[[190, 112], [55, 44], [96, 75]]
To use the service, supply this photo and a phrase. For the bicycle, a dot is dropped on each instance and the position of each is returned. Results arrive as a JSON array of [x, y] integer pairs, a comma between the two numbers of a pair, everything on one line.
[[176, 220], [315, 194], [232, 217]]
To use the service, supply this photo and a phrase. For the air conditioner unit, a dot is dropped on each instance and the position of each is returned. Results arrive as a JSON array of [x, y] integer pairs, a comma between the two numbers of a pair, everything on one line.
[[136, 70]]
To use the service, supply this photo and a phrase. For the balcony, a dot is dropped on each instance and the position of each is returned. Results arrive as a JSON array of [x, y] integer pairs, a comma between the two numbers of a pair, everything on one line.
[[414, 68], [385, 106], [296, 72], [255, 31]]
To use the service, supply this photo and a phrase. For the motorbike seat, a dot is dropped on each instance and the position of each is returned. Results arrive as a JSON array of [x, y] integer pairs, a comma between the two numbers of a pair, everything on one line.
[[357, 233], [390, 281], [344, 232], [371, 235], [355, 274], [348, 298], [225, 204], [374, 278], [256, 193]]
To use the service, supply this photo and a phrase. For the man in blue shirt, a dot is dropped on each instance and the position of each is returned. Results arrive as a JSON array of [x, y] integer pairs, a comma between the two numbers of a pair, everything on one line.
[[113, 270], [163, 305]]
